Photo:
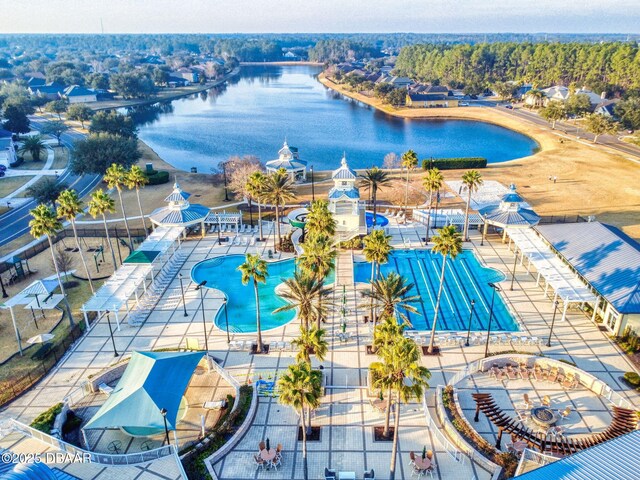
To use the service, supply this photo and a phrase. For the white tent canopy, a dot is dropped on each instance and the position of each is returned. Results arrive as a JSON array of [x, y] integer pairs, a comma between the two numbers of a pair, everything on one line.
[[556, 273], [162, 239]]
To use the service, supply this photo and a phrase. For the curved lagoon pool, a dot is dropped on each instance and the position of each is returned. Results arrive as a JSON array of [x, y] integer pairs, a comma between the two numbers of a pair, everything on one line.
[[221, 273], [465, 280]]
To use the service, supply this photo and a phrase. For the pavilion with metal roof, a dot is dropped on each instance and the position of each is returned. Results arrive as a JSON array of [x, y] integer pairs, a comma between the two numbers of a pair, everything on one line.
[[289, 160], [179, 212], [510, 212], [608, 262]]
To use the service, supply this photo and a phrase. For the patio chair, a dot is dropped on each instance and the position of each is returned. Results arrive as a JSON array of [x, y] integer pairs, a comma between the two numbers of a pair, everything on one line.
[[329, 474], [523, 416], [369, 475], [564, 413], [539, 374], [412, 459], [259, 462], [528, 404], [261, 446], [276, 462], [279, 450], [570, 381], [512, 373], [553, 375], [546, 401], [416, 472]]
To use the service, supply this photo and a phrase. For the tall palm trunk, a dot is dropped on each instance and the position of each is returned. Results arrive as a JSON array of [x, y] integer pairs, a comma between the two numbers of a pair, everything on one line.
[[387, 415], [55, 265], [305, 469], [144, 223], [250, 211], [126, 222], [406, 191], [429, 213], [394, 448], [260, 221], [84, 262], [374, 190], [465, 233], [113, 255], [278, 226], [435, 315], [259, 346]]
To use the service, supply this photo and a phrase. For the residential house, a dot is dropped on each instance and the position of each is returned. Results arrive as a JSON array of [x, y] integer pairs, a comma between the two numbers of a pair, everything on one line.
[[431, 96], [562, 93], [8, 153], [174, 81], [78, 94], [50, 91], [36, 82], [606, 108], [189, 74]]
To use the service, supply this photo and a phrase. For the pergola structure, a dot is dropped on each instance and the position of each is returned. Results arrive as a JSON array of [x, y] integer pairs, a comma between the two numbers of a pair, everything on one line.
[[224, 218], [179, 212], [39, 294], [565, 283], [137, 269], [511, 212]]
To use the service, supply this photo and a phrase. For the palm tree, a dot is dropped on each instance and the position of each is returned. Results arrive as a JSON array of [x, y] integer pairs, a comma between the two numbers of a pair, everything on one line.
[[391, 293], [136, 178], [116, 177], [101, 204], [537, 95], [279, 190], [318, 256], [377, 248], [45, 222], [409, 161], [432, 182], [472, 180], [34, 145], [69, 207], [401, 373], [447, 243], [319, 220], [301, 293], [256, 188], [255, 269], [301, 388], [311, 341], [375, 178]]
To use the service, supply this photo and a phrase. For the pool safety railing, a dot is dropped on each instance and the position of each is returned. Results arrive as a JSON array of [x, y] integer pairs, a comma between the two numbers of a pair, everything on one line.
[[536, 458], [94, 457], [456, 454]]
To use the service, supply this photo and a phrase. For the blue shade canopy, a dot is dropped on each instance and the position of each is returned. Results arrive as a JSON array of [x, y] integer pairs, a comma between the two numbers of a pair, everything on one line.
[[151, 382]]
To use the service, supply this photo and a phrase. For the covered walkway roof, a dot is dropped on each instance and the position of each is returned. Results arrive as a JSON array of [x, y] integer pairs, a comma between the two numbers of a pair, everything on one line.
[[161, 239], [557, 274], [151, 382], [115, 292], [604, 257]]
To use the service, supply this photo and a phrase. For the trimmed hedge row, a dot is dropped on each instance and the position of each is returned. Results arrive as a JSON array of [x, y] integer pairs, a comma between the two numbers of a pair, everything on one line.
[[454, 163], [157, 177]]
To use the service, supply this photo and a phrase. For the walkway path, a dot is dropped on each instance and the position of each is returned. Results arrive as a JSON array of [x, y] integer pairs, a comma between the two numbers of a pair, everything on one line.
[[344, 269]]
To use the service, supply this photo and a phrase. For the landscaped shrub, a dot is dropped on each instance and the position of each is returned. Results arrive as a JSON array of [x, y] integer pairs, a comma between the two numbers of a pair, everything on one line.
[[630, 341], [157, 177], [454, 163], [633, 379], [354, 244], [44, 421]]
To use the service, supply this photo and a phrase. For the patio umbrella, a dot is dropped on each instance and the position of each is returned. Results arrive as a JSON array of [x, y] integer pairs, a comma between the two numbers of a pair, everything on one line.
[[42, 338]]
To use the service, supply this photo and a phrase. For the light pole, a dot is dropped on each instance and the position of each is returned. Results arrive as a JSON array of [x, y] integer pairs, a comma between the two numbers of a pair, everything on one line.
[[204, 319], [219, 228], [495, 288], [473, 304], [163, 412], [184, 305], [226, 319], [113, 342], [313, 191], [553, 321], [515, 264]]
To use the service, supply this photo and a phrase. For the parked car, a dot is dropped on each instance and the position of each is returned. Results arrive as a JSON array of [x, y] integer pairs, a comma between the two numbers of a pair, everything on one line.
[[510, 107], [3, 168], [463, 104]]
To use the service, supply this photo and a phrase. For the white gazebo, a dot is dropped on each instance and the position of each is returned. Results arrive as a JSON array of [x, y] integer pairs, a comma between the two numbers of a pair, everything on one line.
[[511, 212], [179, 212], [289, 160]]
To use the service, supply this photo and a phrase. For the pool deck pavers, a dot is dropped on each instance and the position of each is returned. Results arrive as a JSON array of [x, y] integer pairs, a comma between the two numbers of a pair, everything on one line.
[[345, 415]]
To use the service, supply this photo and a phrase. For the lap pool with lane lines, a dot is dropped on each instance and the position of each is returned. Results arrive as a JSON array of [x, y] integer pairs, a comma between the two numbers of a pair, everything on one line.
[[465, 280]]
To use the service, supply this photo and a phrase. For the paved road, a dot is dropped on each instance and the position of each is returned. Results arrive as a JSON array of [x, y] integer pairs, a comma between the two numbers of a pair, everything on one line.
[[15, 222]]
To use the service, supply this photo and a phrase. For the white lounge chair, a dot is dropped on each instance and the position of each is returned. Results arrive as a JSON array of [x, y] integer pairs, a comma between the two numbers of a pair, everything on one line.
[[217, 405]]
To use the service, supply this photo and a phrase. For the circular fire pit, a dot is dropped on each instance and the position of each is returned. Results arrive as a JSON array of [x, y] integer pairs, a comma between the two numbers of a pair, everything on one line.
[[544, 416]]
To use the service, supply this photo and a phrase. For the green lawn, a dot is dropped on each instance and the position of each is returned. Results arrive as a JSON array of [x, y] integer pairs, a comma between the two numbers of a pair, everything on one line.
[[11, 184]]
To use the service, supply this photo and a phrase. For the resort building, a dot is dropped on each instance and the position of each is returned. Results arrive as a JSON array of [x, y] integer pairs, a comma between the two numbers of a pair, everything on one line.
[[431, 96], [289, 159], [7, 148], [512, 211], [608, 262], [344, 203]]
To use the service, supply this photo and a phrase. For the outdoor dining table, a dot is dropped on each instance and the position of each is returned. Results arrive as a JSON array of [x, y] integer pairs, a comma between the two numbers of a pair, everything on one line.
[[268, 455], [544, 416], [422, 463]]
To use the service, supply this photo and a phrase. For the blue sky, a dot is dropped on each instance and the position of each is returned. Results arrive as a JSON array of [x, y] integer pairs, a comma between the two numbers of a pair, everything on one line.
[[225, 16]]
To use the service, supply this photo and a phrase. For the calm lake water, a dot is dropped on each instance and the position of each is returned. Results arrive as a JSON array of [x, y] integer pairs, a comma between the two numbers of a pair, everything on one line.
[[256, 110]]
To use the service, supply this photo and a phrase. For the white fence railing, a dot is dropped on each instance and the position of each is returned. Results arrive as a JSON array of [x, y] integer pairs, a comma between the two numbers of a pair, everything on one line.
[[451, 449], [531, 456]]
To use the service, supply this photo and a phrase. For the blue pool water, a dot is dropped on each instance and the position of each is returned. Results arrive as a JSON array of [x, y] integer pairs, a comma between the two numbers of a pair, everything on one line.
[[465, 280], [221, 273], [381, 220]]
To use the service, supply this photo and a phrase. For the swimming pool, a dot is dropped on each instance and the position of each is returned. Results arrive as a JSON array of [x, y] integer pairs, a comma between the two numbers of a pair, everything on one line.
[[381, 220], [221, 273], [465, 280]]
